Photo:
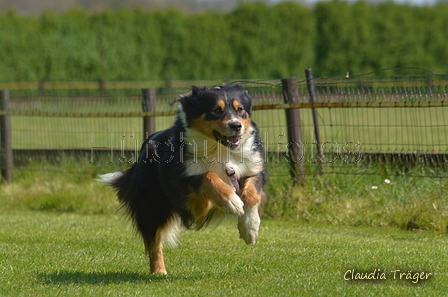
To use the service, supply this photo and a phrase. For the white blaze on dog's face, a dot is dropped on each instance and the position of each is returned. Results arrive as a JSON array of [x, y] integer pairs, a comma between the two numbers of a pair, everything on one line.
[[222, 113]]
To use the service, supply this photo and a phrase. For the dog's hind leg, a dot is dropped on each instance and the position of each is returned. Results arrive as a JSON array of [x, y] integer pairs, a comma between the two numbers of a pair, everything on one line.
[[154, 248], [166, 233], [156, 261]]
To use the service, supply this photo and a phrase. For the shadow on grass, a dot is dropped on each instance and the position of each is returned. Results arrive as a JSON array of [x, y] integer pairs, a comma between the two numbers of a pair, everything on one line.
[[98, 278]]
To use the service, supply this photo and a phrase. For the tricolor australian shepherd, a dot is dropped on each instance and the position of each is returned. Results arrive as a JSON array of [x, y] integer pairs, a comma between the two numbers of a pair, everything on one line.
[[209, 163]]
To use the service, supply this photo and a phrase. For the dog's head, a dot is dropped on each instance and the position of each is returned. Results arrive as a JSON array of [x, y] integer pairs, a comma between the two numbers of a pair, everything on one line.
[[222, 113]]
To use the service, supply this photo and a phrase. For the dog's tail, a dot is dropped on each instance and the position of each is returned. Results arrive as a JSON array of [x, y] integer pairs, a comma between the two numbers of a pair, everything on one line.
[[110, 178], [119, 181]]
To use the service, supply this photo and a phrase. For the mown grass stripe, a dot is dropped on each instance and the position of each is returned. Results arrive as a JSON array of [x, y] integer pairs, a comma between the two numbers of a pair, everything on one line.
[[69, 254]]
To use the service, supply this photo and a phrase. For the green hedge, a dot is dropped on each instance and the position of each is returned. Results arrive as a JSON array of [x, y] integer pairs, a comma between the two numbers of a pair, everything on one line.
[[253, 41], [362, 37]]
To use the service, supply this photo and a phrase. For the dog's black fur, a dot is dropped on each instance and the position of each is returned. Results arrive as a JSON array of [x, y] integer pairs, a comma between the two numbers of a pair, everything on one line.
[[182, 174]]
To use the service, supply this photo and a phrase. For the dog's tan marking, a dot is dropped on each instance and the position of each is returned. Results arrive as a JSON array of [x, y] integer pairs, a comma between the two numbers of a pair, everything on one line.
[[156, 261], [249, 193], [206, 127], [221, 104], [245, 122], [199, 205], [215, 186], [212, 191], [236, 104], [154, 247]]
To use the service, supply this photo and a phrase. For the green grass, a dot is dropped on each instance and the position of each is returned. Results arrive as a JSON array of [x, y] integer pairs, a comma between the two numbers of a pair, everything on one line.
[[69, 254], [63, 235], [368, 200], [59, 188]]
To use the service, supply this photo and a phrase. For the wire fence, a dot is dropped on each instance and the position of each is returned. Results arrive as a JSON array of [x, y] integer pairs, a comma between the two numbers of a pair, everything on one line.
[[371, 125]]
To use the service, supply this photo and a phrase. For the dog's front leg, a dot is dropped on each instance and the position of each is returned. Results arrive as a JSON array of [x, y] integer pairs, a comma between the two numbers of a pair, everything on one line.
[[222, 194], [253, 199], [208, 191]]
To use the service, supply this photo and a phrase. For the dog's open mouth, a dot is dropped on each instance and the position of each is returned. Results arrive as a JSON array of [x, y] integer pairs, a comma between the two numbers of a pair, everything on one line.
[[232, 141]]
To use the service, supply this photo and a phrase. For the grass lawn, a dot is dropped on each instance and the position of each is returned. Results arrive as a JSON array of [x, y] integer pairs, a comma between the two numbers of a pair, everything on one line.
[[70, 254]]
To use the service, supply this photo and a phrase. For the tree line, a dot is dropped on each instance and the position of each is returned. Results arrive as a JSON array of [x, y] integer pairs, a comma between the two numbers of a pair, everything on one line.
[[255, 41]]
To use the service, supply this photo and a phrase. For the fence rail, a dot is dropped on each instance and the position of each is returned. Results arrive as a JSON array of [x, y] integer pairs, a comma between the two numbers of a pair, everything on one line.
[[356, 125], [44, 86], [284, 106]]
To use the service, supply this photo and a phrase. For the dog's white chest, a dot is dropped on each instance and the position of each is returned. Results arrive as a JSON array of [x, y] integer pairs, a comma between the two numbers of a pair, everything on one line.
[[218, 160]]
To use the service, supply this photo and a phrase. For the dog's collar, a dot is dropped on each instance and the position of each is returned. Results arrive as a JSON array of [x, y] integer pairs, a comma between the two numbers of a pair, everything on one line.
[[231, 174]]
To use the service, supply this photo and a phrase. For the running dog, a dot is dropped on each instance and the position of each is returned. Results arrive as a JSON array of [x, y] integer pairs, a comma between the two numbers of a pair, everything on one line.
[[208, 164]]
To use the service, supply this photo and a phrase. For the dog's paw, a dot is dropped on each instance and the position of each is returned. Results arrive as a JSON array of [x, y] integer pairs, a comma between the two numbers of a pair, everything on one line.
[[235, 205], [249, 224]]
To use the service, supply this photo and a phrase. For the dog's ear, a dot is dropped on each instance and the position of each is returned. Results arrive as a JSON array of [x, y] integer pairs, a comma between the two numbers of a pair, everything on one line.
[[197, 91], [194, 93], [182, 98], [240, 87]]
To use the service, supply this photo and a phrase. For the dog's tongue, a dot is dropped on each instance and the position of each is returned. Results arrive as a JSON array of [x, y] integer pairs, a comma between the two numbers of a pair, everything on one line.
[[233, 139]]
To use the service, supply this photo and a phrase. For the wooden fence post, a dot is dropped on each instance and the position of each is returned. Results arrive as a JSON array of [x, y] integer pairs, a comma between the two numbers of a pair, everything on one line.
[[149, 105], [102, 86], [42, 86], [6, 161], [311, 91], [295, 140]]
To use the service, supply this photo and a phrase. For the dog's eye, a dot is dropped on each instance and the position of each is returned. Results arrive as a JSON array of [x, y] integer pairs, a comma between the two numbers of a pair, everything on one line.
[[240, 109], [217, 110]]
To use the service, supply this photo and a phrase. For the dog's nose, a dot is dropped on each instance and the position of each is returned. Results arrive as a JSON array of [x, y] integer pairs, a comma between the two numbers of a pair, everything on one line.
[[235, 126]]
